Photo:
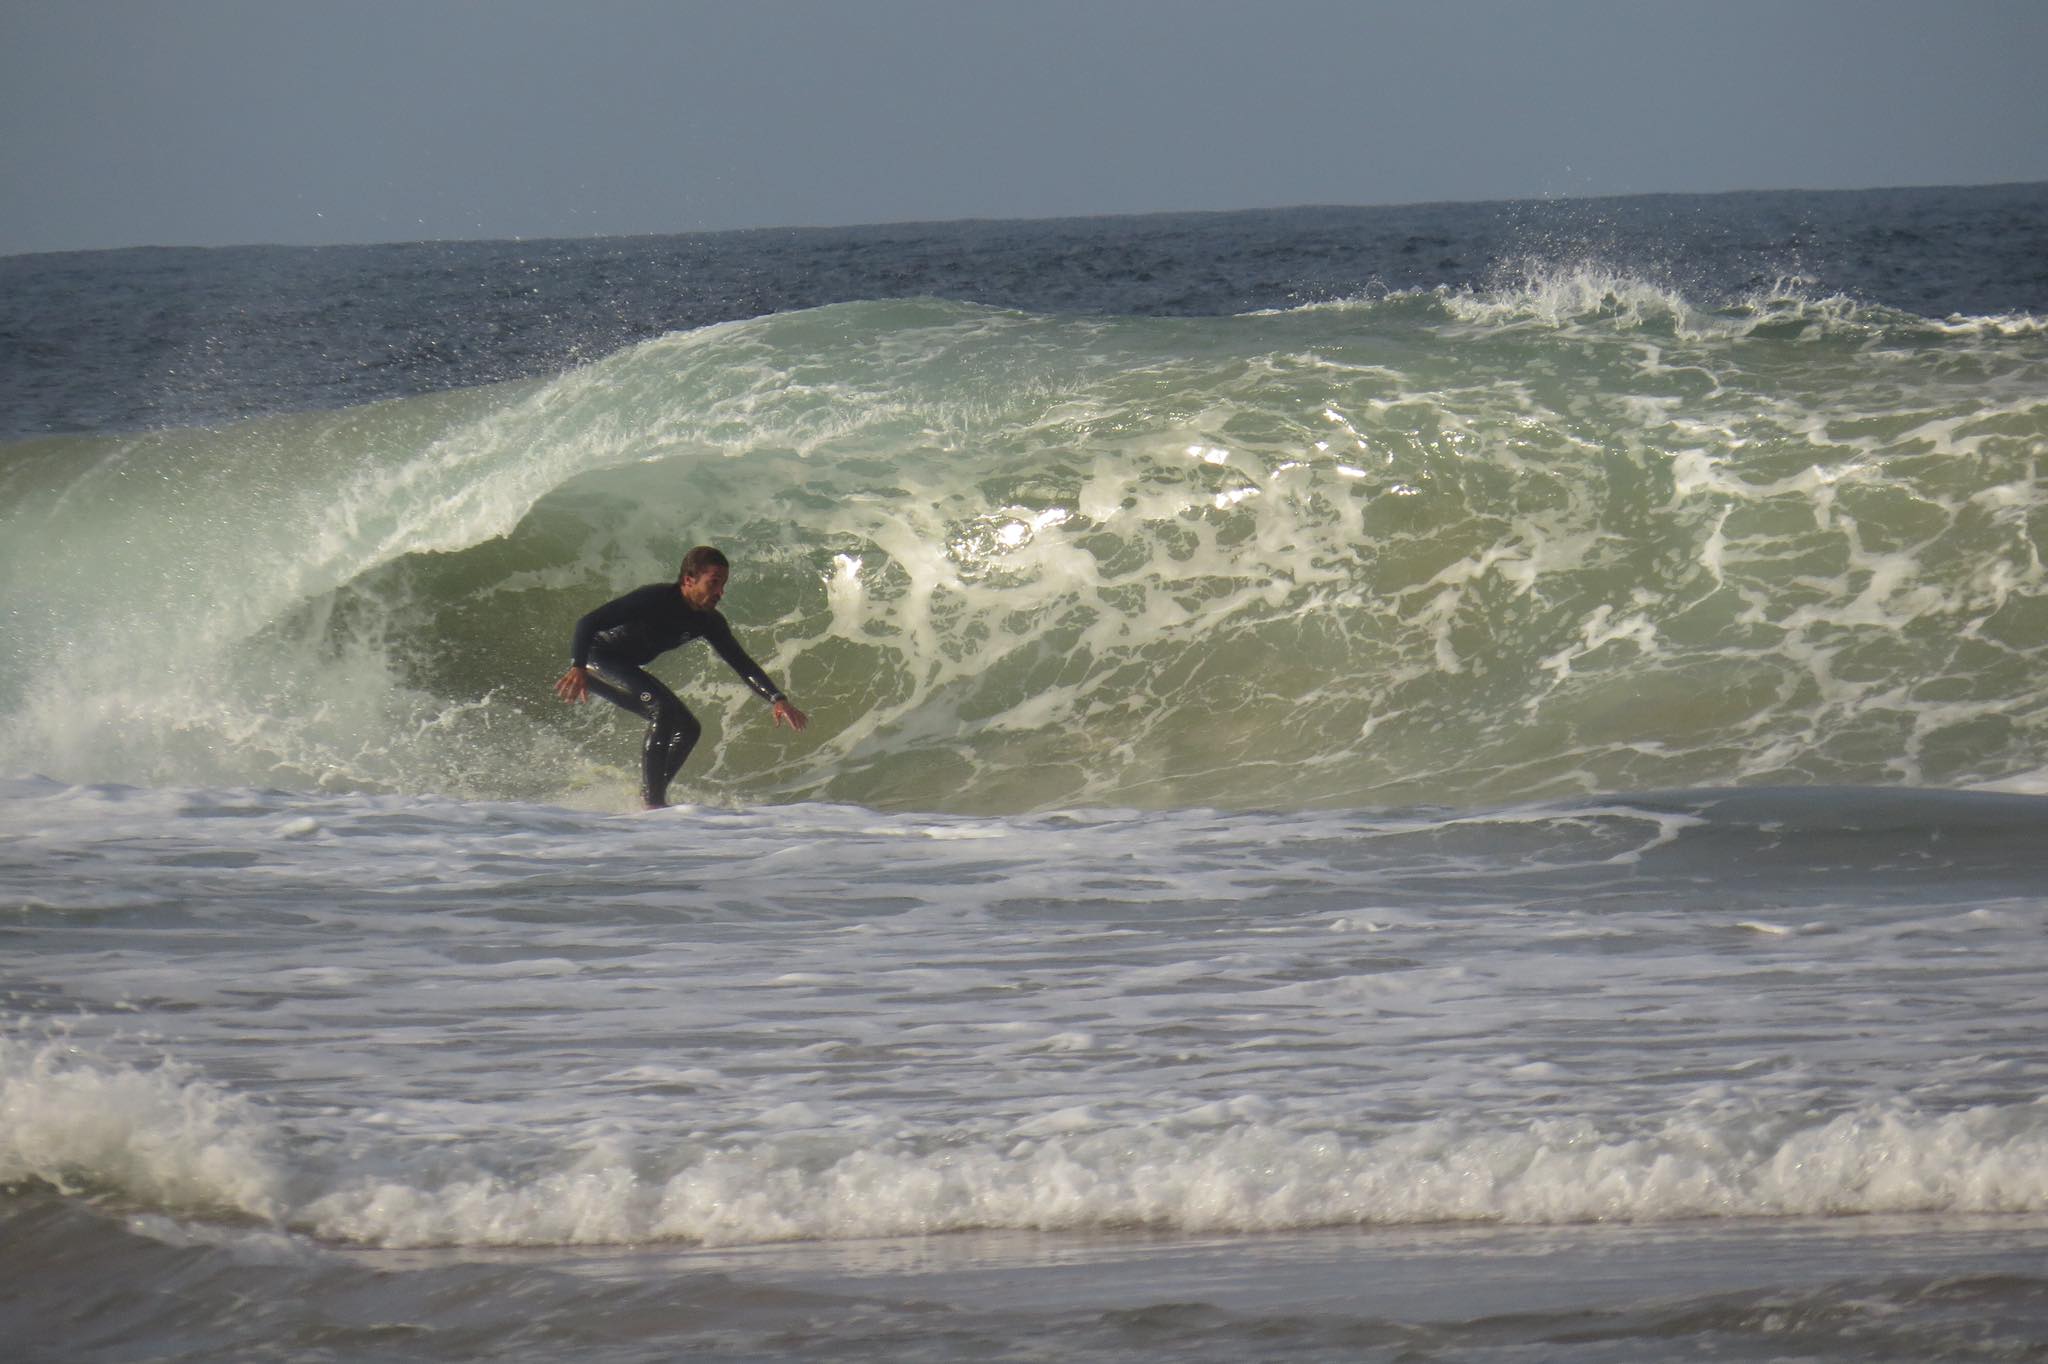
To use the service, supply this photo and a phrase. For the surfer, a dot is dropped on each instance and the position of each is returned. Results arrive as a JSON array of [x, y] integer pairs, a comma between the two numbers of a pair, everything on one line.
[[614, 642]]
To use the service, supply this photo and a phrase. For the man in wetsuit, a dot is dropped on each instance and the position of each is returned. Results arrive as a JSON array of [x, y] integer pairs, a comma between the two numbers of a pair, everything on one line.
[[615, 640]]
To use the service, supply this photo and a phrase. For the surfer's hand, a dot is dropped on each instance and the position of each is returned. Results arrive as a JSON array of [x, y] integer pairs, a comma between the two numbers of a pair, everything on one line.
[[573, 685], [786, 714]]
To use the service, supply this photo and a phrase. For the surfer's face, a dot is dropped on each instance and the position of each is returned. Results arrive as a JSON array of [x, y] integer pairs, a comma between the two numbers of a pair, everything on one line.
[[703, 590]]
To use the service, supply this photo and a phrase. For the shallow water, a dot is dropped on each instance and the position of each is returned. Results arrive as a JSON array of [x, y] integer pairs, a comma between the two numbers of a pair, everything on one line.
[[254, 1024]]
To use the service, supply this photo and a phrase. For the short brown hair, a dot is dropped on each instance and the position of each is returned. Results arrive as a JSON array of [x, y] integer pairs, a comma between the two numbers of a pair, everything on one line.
[[700, 559]]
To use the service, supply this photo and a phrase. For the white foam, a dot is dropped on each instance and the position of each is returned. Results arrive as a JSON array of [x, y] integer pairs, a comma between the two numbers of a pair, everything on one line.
[[1560, 295], [158, 1136], [1072, 1170]]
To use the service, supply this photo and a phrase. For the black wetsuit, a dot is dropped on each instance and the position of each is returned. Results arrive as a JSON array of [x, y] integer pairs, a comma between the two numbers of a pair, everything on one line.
[[617, 638]]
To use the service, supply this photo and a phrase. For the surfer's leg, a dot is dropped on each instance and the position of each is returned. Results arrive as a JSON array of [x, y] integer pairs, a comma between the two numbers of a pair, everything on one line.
[[617, 684], [669, 741], [671, 730]]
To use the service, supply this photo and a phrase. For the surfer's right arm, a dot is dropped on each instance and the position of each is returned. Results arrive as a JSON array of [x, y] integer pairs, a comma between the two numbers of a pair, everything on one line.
[[573, 685]]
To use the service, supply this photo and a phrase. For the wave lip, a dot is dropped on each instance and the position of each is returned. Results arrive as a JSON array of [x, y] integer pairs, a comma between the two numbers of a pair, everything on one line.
[[1595, 300]]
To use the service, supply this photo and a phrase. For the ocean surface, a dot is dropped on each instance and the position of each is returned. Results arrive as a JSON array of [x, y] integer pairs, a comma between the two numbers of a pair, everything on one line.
[[1460, 782]]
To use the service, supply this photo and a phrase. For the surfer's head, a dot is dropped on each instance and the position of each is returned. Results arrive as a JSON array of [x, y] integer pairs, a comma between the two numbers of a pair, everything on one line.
[[702, 577], [699, 559]]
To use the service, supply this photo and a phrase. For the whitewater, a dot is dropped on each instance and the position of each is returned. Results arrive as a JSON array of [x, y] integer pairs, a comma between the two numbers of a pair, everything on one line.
[[1452, 782]]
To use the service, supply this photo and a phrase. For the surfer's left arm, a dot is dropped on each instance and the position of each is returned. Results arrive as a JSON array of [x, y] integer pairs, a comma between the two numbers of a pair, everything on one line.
[[755, 676]]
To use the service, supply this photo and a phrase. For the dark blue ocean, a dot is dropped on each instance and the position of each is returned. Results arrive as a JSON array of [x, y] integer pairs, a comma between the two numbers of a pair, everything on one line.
[[135, 339], [1439, 782]]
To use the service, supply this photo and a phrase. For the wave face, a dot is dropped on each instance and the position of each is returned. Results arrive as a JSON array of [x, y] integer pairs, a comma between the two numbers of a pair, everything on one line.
[[1569, 534]]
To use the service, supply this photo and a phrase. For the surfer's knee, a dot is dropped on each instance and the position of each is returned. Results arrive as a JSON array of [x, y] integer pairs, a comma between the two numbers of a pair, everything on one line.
[[670, 716]]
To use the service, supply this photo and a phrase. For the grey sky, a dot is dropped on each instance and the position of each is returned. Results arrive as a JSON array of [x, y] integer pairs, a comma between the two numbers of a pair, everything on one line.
[[218, 121]]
